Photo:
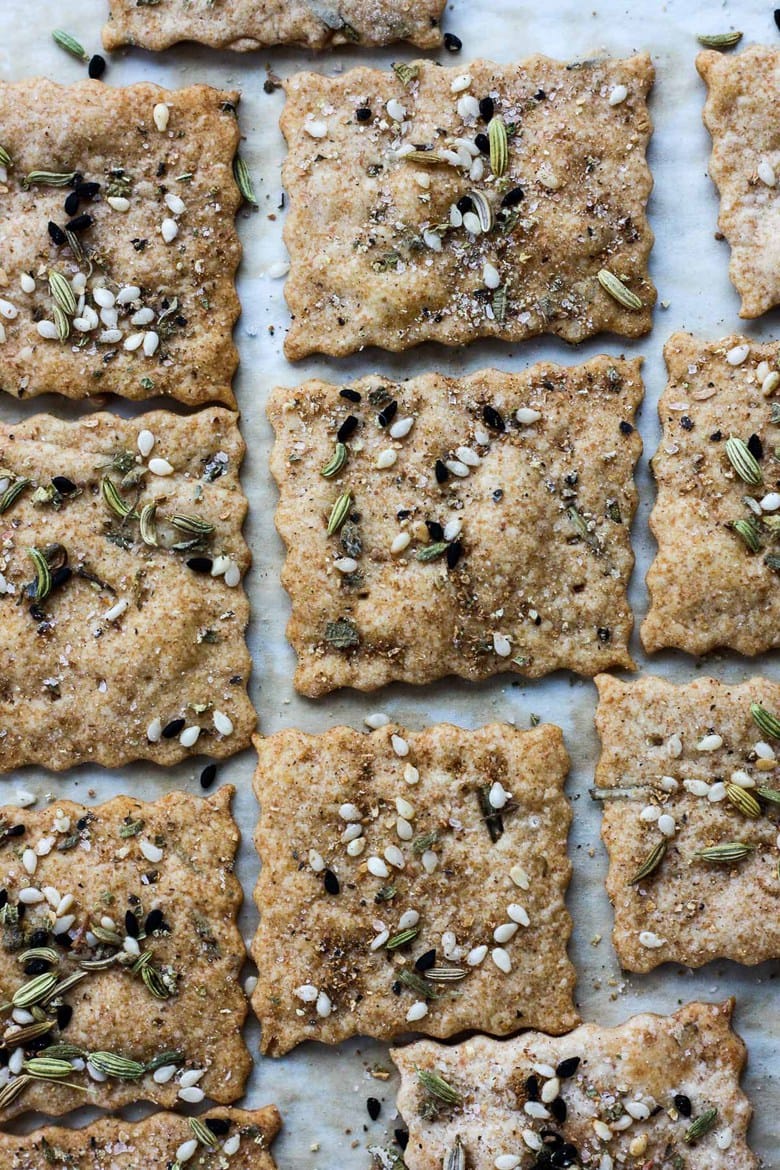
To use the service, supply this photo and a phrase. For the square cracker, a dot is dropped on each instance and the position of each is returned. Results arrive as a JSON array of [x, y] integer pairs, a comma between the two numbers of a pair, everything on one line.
[[375, 258], [109, 136], [81, 678], [253, 24], [112, 1142], [544, 509], [707, 589], [328, 967], [741, 115], [98, 873], [642, 1064], [654, 762]]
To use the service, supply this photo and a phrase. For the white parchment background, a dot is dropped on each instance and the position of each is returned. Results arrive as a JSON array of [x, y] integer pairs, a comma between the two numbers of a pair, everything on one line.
[[320, 1091]]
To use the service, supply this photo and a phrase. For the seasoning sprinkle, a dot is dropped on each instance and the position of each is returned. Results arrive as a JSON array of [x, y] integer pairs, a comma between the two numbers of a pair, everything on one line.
[[651, 862], [62, 323], [192, 524], [148, 525], [770, 795], [483, 209], [719, 40], [63, 294], [618, 291], [743, 800], [244, 180], [436, 1086], [455, 1159], [203, 1133], [499, 145], [726, 852], [120, 1067], [43, 579], [47, 1067], [743, 460], [339, 512], [702, 1125], [406, 73], [112, 498], [50, 179], [5, 158], [402, 938], [766, 722], [12, 493], [70, 44], [336, 461], [747, 531], [431, 552], [446, 974], [417, 984]]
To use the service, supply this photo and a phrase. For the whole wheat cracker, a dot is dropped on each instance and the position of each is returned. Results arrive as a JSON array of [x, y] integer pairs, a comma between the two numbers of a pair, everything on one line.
[[644, 1063], [252, 24], [654, 763], [740, 114], [707, 588], [114, 1144], [135, 639], [535, 579], [376, 258], [446, 866], [185, 298], [99, 873]]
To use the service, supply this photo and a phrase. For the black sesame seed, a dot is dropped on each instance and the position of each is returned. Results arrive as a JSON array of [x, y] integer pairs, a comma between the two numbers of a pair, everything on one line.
[[683, 1105], [716, 436], [350, 394], [604, 634], [464, 204], [532, 1088], [3, 898], [79, 223], [401, 1138], [64, 1015], [686, 423], [777, 17], [454, 553], [65, 486], [482, 143], [568, 1067], [498, 495], [374, 1107], [72, 203], [96, 67], [173, 728], [82, 823], [493, 418], [36, 967], [540, 95], [63, 940], [755, 447], [38, 938], [386, 416], [348, 427], [57, 234], [567, 1155], [486, 108], [626, 428], [452, 43], [200, 564], [442, 474], [435, 530], [4, 1055], [513, 197], [425, 961], [131, 924], [208, 775], [559, 1110], [154, 920], [331, 882], [218, 1125], [87, 191], [403, 514], [21, 909], [363, 114], [60, 576], [15, 831]]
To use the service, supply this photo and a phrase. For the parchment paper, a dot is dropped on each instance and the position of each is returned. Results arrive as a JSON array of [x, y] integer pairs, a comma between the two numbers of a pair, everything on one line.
[[320, 1091]]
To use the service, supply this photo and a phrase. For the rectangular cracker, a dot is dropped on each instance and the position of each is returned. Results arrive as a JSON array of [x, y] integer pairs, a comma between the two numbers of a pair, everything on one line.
[[658, 760], [243, 25], [174, 337], [707, 588], [544, 508], [329, 921], [643, 1064], [375, 258], [151, 1143], [135, 639], [105, 869], [741, 115]]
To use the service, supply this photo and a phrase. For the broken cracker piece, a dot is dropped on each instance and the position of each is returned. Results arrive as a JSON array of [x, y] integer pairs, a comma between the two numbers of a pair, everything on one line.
[[118, 641], [477, 525], [691, 794], [121, 955], [740, 114], [657, 1090], [415, 883], [418, 214], [121, 249], [714, 580], [240, 1135], [252, 24]]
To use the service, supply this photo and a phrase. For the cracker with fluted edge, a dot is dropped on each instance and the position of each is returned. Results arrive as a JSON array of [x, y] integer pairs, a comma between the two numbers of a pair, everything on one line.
[[243, 25], [473, 543], [740, 114], [402, 228], [137, 651], [623, 1082], [674, 761], [146, 891], [154, 258], [708, 587], [388, 861]]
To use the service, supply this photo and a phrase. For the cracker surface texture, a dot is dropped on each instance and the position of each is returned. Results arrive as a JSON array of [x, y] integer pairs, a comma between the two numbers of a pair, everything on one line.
[[616, 1093], [471, 542], [252, 24], [710, 584], [242, 1137], [136, 651], [391, 245], [144, 257], [741, 115], [118, 882], [689, 767], [389, 861]]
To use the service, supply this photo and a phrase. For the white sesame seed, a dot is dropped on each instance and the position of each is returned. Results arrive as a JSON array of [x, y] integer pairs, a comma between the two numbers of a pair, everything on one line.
[[307, 992], [145, 442], [401, 428], [501, 645], [191, 1077], [432, 240], [131, 946], [386, 458], [24, 798], [64, 904], [223, 724], [550, 1090], [696, 787], [456, 216], [668, 784], [532, 1139], [175, 203], [452, 529], [52, 895], [232, 1144], [127, 294], [490, 275], [150, 851], [449, 943], [395, 110], [394, 857], [324, 1005], [232, 575], [133, 342], [461, 82], [30, 895], [109, 336], [161, 115], [63, 923], [104, 297], [116, 610], [411, 774], [154, 731], [189, 736], [400, 542], [717, 793], [356, 847], [770, 502], [404, 829], [408, 919], [497, 796], [506, 1162], [349, 812], [377, 867], [118, 203], [315, 128], [186, 1150], [27, 283], [48, 330], [143, 317], [160, 467], [622, 1123], [618, 95], [109, 317], [544, 1070], [602, 1130], [501, 959], [742, 779], [164, 1074], [400, 746], [723, 1138], [45, 846], [737, 355], [637, 1109], [518, 914], [404, 808], [666, 824], [468, 107], [650, 813], [471, 223], [537, 1110], [429, 861], [418, 1011], [22, 1017], [277, 270], [477, 171], [476, 956], [764, 751], [16, 1060], [766, 173], [351, 833], [169, 230], [376, 719], [194, 1095], [520, 877], [527, 415], [650, 940], [30, 860], [770, 383], [505, 932], [468, 456], [709, 743]]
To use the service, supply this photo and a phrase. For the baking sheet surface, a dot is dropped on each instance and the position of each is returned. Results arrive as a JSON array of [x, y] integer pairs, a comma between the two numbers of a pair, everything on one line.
[[321, 1092]]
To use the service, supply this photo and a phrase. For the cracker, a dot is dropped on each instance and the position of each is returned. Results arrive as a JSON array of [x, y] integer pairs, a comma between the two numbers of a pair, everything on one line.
[[535, 577], [112, 1142], [740, 114], [643, 1063], [94, 876], [328, 962], [252, 24], [658, 760], [375, 258], [170, 333], [707, 588], [136, 650]]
